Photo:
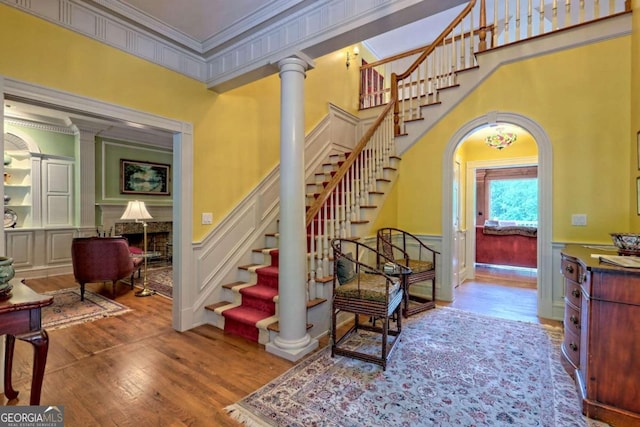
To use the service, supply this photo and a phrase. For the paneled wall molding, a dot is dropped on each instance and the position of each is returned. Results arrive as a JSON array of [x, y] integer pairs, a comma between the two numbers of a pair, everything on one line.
[[247, 50]]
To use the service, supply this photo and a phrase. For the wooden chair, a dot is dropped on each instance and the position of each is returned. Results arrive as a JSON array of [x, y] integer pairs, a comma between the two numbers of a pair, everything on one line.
[[361, 288], [406, 249]]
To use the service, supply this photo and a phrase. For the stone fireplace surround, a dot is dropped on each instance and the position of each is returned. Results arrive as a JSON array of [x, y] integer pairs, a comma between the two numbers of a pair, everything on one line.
[[159, 228]]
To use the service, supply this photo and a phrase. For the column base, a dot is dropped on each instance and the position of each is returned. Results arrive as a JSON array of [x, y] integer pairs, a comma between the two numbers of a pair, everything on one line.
[[291, 352]]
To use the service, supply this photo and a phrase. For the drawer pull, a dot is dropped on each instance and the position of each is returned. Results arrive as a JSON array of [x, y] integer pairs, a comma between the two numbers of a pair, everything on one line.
[[569, 269], [573, 346], [575, 293], [574, 319]]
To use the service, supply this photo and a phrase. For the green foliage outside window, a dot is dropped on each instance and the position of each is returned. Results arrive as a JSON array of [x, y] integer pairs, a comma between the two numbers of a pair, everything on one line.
[[514, 199]]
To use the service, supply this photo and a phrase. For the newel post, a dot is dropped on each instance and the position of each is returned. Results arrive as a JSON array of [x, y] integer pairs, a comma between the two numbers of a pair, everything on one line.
[[482, 46], [396, 106]]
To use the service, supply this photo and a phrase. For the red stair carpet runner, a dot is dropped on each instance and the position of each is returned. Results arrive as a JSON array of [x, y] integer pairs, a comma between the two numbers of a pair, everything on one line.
[[257, 302]]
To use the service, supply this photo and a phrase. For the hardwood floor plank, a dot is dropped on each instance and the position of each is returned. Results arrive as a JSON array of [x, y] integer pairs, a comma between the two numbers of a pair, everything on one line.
[[135, 370]]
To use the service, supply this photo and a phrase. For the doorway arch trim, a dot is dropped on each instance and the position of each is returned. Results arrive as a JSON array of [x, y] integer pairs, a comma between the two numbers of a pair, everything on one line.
[[545, 198]]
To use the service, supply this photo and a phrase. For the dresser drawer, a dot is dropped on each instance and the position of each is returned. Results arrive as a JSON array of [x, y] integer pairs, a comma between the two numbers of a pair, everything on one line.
[[572, 319], [571, 347], [570, 269], [573, 293]]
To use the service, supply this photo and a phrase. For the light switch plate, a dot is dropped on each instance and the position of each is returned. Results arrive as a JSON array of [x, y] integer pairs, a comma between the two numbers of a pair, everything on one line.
[[579, 220], [207, 218]]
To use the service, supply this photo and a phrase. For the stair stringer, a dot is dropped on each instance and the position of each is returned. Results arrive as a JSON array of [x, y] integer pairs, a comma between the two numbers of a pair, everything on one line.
[[491, 60]]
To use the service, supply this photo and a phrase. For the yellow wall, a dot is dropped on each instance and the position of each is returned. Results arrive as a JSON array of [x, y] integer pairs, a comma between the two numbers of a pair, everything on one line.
[[581, 99], [236, 134], [634, 130]]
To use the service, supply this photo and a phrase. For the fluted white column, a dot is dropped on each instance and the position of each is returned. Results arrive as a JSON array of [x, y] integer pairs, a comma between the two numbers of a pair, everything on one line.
[[293, 341]]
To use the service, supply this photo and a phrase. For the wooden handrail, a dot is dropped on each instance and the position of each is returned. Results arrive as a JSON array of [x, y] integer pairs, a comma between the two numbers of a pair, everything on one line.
[[341, 172], [437, 41]]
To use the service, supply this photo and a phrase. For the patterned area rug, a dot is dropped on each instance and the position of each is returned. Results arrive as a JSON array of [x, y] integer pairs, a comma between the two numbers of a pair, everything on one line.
[[450, 368], [67, 309], [158, 279]]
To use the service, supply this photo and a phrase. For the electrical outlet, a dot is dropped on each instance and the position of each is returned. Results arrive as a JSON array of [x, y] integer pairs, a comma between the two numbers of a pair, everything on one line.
[[207, 218], [579, 220]]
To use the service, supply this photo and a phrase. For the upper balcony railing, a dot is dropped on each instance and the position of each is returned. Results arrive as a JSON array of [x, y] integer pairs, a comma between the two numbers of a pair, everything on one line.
[[417, 75]]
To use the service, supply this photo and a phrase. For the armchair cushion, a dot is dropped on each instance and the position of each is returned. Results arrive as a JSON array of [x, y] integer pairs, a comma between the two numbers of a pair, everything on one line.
[[370, 287]]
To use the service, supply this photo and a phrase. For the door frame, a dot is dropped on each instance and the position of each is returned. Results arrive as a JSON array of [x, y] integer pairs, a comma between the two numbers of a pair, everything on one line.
[[545, 199], [183, 259]]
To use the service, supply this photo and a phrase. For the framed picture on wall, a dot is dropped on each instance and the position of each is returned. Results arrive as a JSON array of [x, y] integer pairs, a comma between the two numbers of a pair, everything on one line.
[[137, 177]]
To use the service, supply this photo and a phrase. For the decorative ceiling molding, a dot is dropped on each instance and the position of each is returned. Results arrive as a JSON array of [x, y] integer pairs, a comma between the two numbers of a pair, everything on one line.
[[245, 52], [40, 126]]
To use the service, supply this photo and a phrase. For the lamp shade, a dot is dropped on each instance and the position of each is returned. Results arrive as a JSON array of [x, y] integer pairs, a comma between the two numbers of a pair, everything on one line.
[[136, 210]]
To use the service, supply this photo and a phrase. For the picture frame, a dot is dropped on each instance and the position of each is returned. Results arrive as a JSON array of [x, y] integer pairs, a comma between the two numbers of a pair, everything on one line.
[[140, 177]]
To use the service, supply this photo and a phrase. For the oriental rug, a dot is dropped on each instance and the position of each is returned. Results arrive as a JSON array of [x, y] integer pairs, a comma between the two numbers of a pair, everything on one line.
[[67, 309], [450, 368], [158, 279]]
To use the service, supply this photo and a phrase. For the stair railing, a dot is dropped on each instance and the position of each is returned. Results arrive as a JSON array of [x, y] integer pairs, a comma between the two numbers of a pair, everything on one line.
[[511, 21], [338, 205], [453, 50]]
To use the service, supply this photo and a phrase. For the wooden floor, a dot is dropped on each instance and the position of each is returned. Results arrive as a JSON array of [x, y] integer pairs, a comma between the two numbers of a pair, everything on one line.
[[135, 370]]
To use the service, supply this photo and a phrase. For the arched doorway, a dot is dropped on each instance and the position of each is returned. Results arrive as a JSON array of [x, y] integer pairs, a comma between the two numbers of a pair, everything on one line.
[[545, 170]]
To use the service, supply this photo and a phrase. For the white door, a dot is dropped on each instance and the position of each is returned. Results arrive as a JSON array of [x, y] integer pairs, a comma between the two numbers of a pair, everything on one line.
[[455, 261]]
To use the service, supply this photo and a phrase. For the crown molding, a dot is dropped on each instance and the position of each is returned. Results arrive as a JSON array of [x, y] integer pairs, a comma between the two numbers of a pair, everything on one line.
[[249, 49], [40, 126]]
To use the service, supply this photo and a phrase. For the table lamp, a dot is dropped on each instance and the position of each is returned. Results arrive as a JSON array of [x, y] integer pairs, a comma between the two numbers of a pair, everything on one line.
[[137, 211]]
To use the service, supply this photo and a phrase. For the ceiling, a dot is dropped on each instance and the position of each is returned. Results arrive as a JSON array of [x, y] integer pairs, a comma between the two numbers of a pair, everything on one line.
[[200, 19]]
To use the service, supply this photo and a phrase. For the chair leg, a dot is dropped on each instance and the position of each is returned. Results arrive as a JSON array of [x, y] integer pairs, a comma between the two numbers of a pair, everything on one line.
[[81, 291]]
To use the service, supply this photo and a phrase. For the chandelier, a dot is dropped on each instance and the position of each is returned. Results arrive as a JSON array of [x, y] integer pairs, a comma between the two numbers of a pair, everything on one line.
[[501, 138]]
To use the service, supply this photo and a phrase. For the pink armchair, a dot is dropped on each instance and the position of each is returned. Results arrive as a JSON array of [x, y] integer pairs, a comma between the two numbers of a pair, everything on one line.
[[101, 259]]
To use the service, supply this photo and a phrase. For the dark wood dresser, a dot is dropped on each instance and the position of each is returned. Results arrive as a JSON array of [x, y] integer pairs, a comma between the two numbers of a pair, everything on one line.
[[601, 347]]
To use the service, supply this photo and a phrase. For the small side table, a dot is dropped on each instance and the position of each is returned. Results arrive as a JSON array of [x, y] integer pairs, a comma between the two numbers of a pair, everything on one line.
[[403, 273], [21, 318]]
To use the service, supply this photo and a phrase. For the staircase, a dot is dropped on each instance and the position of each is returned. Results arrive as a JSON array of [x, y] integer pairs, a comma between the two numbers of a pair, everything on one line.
[[343, 200], [250, 305]]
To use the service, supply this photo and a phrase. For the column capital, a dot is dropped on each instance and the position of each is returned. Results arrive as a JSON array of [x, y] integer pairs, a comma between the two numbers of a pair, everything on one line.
[[296, 62]]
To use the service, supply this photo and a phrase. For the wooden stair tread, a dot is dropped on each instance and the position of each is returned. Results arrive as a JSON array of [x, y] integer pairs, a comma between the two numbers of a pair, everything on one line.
[[212, 307], [261, 250], [233, 284], [367, 207], [275, 326]]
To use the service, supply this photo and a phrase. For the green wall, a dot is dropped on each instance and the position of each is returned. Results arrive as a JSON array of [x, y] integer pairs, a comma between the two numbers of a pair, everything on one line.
[[109, 152], [51, 143]]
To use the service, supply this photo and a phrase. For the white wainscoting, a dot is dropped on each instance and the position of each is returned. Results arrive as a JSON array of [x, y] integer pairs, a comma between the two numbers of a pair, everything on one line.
[[229, 245]]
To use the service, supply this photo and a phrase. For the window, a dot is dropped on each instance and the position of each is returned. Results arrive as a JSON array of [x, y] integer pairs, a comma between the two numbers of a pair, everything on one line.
[[507, 194], [514, 200]]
